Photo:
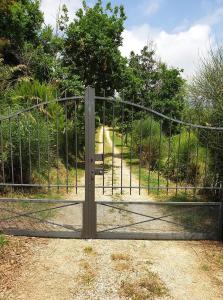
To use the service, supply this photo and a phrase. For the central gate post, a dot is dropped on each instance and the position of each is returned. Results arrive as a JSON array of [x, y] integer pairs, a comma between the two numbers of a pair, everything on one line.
[[89, 206]]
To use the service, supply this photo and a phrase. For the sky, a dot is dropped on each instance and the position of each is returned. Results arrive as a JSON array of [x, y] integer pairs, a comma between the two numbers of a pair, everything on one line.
[[182, 31]]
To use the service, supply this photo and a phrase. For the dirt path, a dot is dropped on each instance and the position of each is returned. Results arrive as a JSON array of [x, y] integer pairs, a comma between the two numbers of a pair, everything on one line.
[[78, 269], [108, 217]]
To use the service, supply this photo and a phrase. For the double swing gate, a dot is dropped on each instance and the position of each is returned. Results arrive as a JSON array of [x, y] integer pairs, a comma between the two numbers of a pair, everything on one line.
[[98, 167]]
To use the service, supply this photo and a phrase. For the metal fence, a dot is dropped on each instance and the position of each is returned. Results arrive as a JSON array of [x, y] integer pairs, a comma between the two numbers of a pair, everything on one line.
[[100, 167]]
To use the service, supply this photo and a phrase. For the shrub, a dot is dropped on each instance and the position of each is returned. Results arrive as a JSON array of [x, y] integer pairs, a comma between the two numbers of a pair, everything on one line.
[[27, 135], [154, 143], [187, 158], [29, 92]]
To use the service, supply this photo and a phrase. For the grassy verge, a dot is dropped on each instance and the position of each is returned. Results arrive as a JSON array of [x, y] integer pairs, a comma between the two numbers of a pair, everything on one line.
[[151, 179], [198, 218], [44, 210]]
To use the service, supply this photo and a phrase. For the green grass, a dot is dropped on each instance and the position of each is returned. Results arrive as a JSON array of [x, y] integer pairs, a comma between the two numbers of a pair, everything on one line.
[[61, 176], [43, 193], [142, 172], [3, 240], [192, 218]]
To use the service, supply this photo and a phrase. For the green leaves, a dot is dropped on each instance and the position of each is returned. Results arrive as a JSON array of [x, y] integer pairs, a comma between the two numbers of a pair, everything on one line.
[[20, 22], [152, 82], [92, 43]]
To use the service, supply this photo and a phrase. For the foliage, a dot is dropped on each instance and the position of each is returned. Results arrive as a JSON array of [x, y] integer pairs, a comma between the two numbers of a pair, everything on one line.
[[153, 84], [92, 42], [39, 64], [206, 88], [207, 104], [30, 92], [20, 22], [26, 135], [148, 135], [188, 158]]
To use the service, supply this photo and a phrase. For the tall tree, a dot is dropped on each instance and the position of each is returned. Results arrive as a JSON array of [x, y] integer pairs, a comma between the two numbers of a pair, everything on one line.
[[92, 42], [206, 90], [150, 81]]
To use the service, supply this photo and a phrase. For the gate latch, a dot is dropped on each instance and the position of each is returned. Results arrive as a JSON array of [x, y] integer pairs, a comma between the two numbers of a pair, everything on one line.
[[98, 171]]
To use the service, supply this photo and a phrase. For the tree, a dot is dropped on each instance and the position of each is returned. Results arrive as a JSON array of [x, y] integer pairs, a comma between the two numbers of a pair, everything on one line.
[[155, 85], [92, 42], [206, 104], [206, 90], [20, 22]]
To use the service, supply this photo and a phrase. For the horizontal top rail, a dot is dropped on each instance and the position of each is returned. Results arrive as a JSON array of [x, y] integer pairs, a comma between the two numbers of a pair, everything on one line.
[[111, 99], [15, 114]]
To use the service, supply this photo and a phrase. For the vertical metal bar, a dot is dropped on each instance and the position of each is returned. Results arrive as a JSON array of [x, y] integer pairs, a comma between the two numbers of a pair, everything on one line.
[[2, 154], [169, 153], [149, 161], [48, 147], [11, 149], [216, 161], [38, 139], [197, 157], [140, 155], [188, 157], [206, 160], [113, 144], [103, 179], [30, 158], [66, 141], [20, 150], [131, 141], [122, 148], [89, 206], [75, 129], [178, 160], [57, 150], [160, 143]]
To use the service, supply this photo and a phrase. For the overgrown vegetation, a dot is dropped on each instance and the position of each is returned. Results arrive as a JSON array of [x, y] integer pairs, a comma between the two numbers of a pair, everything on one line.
[[39, 63]]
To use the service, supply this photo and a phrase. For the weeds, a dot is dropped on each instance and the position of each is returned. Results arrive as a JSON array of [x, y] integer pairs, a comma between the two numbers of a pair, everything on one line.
[[221, 260], [120, 256], [122, 266], [88, 250], [88, 274], [3, 240], [149, 287], [205, 268]]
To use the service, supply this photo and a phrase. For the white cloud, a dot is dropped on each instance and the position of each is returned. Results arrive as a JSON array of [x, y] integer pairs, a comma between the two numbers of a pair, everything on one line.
[[152, 7], [50, 9], [182, 49]]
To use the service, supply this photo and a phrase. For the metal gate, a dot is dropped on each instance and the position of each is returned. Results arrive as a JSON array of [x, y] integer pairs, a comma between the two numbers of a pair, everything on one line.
[[108, 168]]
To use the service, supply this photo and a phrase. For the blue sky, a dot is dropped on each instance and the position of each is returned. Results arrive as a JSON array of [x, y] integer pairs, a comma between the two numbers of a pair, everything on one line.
[[182, 31]]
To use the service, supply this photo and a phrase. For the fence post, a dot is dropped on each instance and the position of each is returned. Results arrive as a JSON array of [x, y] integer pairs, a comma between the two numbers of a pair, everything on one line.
[[89, 206]]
